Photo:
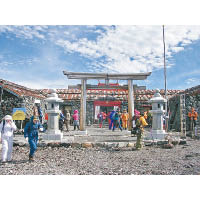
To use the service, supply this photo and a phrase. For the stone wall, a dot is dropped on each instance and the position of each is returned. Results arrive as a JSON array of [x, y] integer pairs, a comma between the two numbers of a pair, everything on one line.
[[191, 100], [11, 101]]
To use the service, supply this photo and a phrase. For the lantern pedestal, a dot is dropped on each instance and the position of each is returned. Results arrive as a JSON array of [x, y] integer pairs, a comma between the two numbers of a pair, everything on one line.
[[53, 135], [157, 112], [53, 132], [156, 135]]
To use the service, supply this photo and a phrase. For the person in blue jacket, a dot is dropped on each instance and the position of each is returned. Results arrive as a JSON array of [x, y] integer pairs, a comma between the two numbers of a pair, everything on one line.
[[116, 121], [111, 119], [31, 134]]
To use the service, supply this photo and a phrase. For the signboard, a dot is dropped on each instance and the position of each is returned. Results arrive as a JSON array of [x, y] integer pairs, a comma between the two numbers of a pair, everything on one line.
[[19, 113]]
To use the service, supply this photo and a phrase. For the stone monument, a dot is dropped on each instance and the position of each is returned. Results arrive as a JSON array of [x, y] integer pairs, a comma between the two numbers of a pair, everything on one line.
[[53, 132], [157, 112]]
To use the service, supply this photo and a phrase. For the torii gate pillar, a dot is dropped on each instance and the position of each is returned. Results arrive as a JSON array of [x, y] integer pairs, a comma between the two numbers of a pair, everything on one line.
[[130, 103], [83, 105]]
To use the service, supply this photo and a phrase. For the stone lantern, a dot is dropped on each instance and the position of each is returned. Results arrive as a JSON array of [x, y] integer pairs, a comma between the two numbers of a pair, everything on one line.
[[53, 132], [157, 116]]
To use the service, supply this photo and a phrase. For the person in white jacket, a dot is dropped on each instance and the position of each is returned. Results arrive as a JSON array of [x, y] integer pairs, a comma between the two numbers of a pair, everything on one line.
[[7, 127]]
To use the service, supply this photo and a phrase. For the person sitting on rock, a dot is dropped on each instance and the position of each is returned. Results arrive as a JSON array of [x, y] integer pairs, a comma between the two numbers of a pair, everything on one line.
[[31, 134]]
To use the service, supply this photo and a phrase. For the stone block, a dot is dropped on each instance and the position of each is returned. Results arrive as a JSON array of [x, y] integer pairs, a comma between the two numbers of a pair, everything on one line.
[[182, 142], [65, 144], [42, 144], [87, 145], [54, 144], [52, 136], [75, 145], [111, 144], [148, 143], [168, 146], [99, 144], [163, 142], [175, 142], [122, 144], [131, 144]]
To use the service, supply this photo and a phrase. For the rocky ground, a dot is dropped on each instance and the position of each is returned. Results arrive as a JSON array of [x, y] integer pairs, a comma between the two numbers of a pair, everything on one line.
[[182, 159]]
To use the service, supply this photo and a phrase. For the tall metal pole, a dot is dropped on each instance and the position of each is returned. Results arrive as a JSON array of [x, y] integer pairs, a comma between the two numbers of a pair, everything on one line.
[[164, 63], [165, 77], [1, 95]]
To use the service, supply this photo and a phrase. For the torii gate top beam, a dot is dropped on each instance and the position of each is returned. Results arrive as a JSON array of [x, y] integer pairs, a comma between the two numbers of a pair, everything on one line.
[[107, 76]]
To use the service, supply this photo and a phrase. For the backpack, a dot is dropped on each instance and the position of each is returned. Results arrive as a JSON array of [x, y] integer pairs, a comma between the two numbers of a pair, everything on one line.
[[137, 123]]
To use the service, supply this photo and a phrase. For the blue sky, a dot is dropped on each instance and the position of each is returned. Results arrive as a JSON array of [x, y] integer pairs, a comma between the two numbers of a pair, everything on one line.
[[35, 56]]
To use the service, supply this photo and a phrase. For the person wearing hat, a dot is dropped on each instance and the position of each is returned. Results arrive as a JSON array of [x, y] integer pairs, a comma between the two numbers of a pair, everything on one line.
[[7, 127], [31, 134]]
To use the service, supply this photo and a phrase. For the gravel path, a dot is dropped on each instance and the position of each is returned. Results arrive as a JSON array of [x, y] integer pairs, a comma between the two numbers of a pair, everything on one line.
[[182, 159]]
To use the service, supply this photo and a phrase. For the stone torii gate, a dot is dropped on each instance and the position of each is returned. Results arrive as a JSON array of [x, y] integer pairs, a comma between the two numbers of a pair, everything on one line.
[[105, 76]]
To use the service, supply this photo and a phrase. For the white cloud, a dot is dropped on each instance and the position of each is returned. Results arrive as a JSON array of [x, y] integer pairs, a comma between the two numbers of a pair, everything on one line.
[[192, 82], [25, 32], [115, 48], [144, 44], [39, 83]]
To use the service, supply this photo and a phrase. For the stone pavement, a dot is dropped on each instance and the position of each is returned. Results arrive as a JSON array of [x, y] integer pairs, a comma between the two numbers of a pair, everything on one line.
[[95, 137]]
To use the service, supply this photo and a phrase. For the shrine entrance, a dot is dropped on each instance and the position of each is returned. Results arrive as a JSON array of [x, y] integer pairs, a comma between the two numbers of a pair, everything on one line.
[[105, 76], [105, 106]]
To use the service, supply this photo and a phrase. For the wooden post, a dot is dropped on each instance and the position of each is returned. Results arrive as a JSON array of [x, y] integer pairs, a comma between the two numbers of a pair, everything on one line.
[[83, 105], [130, 103]]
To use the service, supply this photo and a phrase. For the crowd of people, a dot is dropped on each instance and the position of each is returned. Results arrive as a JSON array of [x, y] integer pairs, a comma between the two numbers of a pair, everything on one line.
[[116, 120]]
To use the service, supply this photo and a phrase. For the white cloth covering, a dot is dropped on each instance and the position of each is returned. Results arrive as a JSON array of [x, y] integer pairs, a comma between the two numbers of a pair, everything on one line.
[[7, 140]]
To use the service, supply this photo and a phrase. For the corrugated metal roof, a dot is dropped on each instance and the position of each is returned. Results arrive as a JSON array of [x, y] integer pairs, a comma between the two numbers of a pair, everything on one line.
[[92, 94], [19, 90]]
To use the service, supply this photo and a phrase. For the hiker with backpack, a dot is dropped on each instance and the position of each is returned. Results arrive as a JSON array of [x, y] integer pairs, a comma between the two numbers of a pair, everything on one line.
[[31, 134], [140, 123], [7, 127], [116, 121]]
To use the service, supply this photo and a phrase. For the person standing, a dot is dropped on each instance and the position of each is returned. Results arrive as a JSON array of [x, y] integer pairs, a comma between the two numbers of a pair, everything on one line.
[[76, 119], [61, 121], [116, 121], [67, 120], [141, 123], [125, 117], [7, 127], [31, 134], [193, 115], [111, 116], [100, 117]]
